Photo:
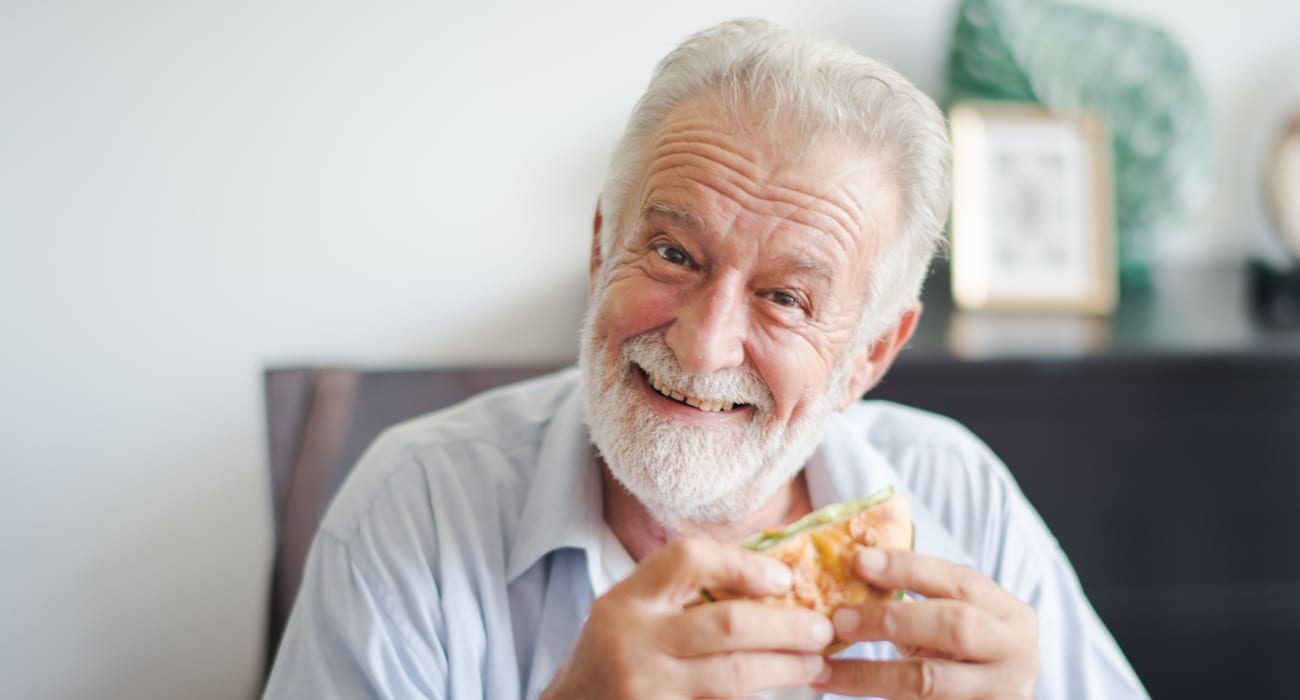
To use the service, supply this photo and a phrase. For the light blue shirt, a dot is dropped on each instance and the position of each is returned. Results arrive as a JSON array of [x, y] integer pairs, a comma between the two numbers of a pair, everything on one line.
[[461, 556]]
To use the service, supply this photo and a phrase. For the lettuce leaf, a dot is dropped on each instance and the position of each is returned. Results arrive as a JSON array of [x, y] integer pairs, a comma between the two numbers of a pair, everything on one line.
[[822, 516]]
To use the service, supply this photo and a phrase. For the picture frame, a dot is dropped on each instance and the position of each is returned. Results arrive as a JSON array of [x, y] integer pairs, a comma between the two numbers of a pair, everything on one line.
[[1284, 187], [1033, 224]]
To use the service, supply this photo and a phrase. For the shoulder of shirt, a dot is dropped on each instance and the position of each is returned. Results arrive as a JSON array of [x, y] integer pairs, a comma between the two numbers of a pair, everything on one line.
[[938, 459], [893, 427], [500, 430]]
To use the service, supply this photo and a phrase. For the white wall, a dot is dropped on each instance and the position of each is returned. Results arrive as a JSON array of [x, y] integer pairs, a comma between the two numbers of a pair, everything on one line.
[[1247, 55], [190, 192]]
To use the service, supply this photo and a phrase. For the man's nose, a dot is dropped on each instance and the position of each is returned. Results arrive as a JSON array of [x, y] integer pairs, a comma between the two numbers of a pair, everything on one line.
[[708, 333]]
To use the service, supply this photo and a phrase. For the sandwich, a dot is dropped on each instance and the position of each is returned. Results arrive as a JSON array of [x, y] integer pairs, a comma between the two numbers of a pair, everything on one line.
[[820, 547]]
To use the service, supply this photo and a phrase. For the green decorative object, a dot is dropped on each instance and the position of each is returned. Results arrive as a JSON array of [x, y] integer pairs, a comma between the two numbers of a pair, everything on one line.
[[1134, 77]]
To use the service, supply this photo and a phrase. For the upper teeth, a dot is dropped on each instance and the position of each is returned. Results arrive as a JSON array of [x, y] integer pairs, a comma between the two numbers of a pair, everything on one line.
[[702, 404]]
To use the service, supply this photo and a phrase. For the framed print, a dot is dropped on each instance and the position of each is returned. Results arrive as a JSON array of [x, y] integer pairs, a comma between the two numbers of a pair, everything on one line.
[[1284, 186], [1033, 223]]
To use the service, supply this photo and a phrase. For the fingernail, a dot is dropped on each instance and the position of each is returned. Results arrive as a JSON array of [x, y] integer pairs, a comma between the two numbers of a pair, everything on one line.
[[825, 674], [780, 577], [872, 560], [822, 632], [815, 666], [846, 621]]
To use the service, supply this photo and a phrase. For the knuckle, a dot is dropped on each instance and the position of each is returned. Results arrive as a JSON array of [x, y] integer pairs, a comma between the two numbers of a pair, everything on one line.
[[1030, 677], [728, 681], [690, 546], [684, 549], [927, 681], [644, 685], [966, 583], [602, 606], [857, 674], [693, 554], [889, 624], [846, 673], [740, 666], [728, 620], [961, 626], [604, 617], [1023, 685], [620, 650], [966, 586], [1028, 617], [623, 685]]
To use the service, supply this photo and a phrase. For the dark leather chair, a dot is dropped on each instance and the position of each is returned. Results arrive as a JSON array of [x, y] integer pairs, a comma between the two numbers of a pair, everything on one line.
[[319, 422]]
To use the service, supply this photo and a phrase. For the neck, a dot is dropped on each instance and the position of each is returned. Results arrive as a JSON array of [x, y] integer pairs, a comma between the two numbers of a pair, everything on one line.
[[641, 534]]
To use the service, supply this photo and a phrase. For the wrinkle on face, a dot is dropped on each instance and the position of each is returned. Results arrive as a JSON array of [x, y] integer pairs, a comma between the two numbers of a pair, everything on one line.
[[759, 168], [767, 212], [737, 257]]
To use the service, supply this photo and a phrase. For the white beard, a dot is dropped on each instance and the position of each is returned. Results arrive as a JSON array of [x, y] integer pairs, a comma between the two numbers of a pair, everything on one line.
[[686, 473]]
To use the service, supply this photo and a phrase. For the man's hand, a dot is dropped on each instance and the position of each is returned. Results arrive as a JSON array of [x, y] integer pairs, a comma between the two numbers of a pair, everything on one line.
[[969, 638], [646, 638]]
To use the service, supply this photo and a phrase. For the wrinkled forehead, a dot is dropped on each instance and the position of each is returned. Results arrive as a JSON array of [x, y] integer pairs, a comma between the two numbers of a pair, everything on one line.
[[770, 156], [797, 132]]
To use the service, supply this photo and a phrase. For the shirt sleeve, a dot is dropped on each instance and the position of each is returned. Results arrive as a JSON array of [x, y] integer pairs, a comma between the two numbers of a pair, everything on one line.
[[342, 639]]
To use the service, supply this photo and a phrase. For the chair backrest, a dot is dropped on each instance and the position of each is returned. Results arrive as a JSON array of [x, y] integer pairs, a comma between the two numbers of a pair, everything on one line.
[[319, 421]]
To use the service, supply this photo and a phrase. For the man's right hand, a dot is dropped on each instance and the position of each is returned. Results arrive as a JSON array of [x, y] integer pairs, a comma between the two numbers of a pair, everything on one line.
[[646, 638]]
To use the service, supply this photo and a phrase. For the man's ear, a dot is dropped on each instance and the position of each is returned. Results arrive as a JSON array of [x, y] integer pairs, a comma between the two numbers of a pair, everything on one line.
[[871, 361], [594, 270]]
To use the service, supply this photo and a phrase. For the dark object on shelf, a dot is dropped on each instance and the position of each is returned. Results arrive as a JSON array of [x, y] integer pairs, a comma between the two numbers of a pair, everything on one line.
[[1275, 295]]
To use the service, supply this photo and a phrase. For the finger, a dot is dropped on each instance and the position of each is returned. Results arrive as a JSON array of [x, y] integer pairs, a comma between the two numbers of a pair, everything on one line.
[[909, 679], [679, 569], [953, 628], [743, 673], [742, 625], [901, 569]]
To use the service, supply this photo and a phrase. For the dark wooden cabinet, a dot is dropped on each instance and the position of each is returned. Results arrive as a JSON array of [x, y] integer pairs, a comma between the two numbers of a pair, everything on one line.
[[1162, 446]]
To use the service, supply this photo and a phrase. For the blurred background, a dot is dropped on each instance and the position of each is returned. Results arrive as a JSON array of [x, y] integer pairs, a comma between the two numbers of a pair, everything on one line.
[[193, 192]]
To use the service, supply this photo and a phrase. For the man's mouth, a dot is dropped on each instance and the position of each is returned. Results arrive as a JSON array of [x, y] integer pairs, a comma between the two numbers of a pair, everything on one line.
[[669, 392]]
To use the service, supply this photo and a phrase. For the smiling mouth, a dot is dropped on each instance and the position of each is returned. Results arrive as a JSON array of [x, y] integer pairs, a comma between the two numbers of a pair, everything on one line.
[[707, 405]]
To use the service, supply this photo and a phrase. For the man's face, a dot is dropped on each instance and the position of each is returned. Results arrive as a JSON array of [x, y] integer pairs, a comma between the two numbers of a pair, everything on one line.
[[716, 345]]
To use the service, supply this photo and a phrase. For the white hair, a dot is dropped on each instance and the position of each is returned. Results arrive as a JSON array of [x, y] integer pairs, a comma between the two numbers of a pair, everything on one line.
[[808, 87]]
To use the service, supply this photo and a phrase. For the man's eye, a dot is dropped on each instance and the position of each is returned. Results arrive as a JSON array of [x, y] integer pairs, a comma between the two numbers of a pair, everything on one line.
[[783, 298], [673, 254]]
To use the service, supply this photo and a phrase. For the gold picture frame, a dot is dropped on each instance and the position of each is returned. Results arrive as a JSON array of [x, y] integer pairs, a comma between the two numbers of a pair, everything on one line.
[[1033, 225]]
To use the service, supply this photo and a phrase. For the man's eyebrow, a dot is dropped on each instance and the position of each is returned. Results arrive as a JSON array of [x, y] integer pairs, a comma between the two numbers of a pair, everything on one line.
[[790, 262], [800, 264], [668, 211]]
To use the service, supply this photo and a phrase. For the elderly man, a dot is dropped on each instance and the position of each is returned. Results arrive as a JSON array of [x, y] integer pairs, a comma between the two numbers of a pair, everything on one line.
[[755, 266]]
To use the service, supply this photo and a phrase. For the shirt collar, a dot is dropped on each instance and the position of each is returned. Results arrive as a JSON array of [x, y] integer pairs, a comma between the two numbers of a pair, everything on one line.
[[564, 505], [846, 467]]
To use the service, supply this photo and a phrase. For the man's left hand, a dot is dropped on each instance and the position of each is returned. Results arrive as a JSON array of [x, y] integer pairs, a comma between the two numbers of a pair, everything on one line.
[[969, 637]]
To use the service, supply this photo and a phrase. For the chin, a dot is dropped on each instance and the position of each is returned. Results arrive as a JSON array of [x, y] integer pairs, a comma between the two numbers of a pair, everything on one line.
[[686, 468]]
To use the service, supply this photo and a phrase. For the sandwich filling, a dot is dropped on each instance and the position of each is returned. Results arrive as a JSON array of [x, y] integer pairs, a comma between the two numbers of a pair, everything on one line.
[[820, 547]]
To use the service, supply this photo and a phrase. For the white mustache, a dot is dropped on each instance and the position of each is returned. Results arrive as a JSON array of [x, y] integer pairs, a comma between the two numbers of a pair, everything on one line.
[[740, 385]]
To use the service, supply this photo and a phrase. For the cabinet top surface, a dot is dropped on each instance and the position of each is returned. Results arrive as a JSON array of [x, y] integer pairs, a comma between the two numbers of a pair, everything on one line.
[[1191, 312]]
